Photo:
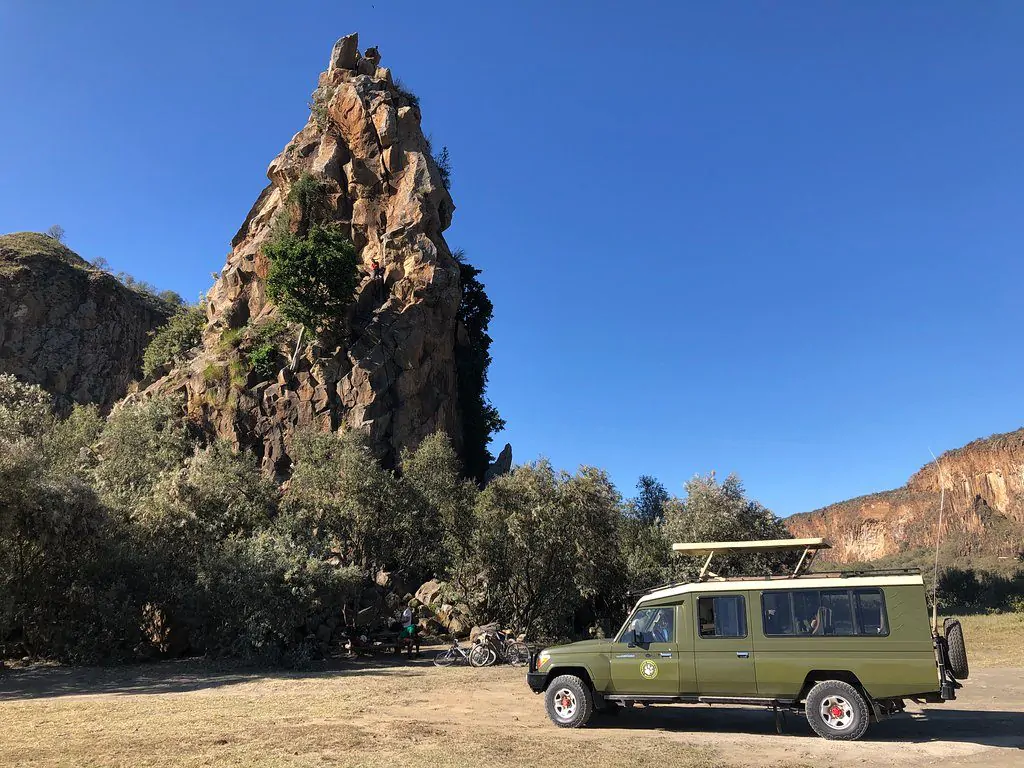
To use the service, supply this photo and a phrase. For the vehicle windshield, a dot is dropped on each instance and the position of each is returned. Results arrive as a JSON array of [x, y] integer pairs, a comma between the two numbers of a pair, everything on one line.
[[652, 625]]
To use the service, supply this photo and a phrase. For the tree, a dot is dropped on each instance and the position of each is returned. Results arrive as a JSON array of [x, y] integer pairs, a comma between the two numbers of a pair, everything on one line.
[[139, 443], [442, 502], [341, 499], [649, 504], [714, 511], [313, 278], [480, 419], [56, 232], [547, 546]]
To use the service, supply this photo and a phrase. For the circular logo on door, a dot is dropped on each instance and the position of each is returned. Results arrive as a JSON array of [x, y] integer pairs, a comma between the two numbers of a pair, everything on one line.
[[648, 670]]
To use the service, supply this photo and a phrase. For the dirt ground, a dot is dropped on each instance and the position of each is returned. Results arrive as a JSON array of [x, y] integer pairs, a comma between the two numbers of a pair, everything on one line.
[[380, 712]]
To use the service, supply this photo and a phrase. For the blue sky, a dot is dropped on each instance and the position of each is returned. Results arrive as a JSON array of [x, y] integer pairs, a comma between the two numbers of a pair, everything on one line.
[[780, 239]]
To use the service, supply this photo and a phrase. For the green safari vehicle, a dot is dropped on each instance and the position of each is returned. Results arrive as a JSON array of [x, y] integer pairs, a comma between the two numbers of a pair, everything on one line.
[[843, 648]]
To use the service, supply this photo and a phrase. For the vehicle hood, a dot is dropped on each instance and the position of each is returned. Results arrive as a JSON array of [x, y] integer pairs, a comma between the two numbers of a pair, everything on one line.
[[583, 646]]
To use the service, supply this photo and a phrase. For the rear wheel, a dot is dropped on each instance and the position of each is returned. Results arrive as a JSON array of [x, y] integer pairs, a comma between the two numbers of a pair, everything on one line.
[[837, 710], [957, 649], [569, 702], [446, 658]]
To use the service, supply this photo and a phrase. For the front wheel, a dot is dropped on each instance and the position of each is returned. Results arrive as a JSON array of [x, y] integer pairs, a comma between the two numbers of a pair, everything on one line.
[[482, 656], [569, 702], [836, 710], [517, 654]]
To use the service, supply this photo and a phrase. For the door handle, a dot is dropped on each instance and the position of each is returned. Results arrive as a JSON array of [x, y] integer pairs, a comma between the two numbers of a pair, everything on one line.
[[742, 654]]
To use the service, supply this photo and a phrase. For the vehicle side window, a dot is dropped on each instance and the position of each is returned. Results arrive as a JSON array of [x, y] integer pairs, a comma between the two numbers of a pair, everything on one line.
[[724, 616], [836, 612], [652, 625], [823, 613], [871, 619], [778, 615]]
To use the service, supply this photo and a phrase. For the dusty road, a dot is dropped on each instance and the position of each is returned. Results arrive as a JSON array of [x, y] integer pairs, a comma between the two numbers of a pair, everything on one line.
[[373, 714]]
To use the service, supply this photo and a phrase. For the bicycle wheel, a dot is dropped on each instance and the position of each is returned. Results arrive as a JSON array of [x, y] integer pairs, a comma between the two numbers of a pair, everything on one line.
[[482, 656], [517, 654], [446, 658]]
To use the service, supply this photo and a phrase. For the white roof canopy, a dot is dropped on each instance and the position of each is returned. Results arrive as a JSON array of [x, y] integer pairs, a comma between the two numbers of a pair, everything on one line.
[[705, 547], [810, 547]]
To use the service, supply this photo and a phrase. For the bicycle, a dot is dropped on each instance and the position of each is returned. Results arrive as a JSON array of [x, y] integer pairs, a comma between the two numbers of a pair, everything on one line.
[[476, 656], [513, 652]]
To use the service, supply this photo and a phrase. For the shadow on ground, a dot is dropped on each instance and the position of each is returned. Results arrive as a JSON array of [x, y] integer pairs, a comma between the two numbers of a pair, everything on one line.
[[983, 727], [183, 675]]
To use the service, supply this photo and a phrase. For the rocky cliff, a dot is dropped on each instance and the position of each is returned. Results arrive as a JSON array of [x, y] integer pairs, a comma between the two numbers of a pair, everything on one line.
[[71, 328], [984, 508], [392, 372]]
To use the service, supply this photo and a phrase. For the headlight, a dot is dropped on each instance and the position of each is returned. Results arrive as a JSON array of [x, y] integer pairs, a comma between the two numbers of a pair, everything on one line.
[[542, 658]]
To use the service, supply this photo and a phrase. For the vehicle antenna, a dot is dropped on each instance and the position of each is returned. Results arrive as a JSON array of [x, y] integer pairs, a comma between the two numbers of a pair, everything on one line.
[[938, 535]]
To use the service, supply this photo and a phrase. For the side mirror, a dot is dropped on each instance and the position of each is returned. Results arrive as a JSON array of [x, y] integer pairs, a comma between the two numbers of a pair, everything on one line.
[[635, 638]]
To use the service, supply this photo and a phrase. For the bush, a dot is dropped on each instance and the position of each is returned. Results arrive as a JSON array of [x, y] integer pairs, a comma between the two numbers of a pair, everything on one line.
[[170, 343], [255, 598], [547, 547], [443, 161], [312, 279], [139, 443], [25, 409]]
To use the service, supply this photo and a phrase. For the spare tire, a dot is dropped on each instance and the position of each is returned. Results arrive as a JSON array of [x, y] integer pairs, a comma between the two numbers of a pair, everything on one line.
[[956, 649]]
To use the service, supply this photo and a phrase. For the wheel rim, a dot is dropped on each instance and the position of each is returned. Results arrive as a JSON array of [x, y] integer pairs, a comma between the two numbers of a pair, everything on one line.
[[565, 704], [837, 713]]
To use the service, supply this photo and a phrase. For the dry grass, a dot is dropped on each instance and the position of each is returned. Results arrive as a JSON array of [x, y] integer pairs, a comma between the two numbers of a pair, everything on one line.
[[414, 715], [377, 714], [994, 640]]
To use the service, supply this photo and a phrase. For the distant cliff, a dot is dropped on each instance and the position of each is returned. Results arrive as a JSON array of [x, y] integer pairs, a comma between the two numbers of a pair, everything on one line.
[[71, 328], [984, 509]]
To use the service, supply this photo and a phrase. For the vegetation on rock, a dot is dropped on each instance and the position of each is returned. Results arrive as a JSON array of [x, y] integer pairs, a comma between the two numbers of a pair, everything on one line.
[[173, 341]]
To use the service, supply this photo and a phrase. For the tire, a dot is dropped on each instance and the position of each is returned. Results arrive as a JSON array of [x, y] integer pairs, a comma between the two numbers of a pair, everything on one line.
[[482, 656], [517, 654], [837, 711], [569, 702], [956, 653], [446, 658]]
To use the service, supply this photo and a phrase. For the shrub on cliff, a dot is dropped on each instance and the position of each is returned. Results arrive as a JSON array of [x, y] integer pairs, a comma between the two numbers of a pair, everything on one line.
[[171, 342], [312, 278]]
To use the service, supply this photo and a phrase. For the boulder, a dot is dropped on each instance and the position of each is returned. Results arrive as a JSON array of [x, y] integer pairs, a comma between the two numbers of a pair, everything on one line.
[[345, 53]]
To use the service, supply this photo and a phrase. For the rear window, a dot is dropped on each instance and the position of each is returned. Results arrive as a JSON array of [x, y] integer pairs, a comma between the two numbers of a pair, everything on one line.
[[824, 613]]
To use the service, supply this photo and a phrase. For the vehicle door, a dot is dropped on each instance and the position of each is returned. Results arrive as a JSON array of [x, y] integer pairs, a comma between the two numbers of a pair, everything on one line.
[[723, 646], [644, 659]]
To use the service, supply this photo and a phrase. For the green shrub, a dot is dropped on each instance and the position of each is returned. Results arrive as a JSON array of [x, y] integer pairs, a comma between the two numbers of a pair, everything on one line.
[[170, 343], [25, 409], [263, 360], [312, 279], [411, 98], [139, 443], [443, 161]]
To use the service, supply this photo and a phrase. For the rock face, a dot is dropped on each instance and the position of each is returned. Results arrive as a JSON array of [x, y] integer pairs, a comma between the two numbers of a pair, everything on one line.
[[72, 329], [984, 508], [393, 374]]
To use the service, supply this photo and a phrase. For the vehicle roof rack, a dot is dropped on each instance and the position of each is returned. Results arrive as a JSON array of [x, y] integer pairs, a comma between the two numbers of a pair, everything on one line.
[[810, 549]]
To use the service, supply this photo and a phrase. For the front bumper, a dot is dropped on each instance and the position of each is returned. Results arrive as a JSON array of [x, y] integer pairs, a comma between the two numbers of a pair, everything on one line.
[[536, 681]]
